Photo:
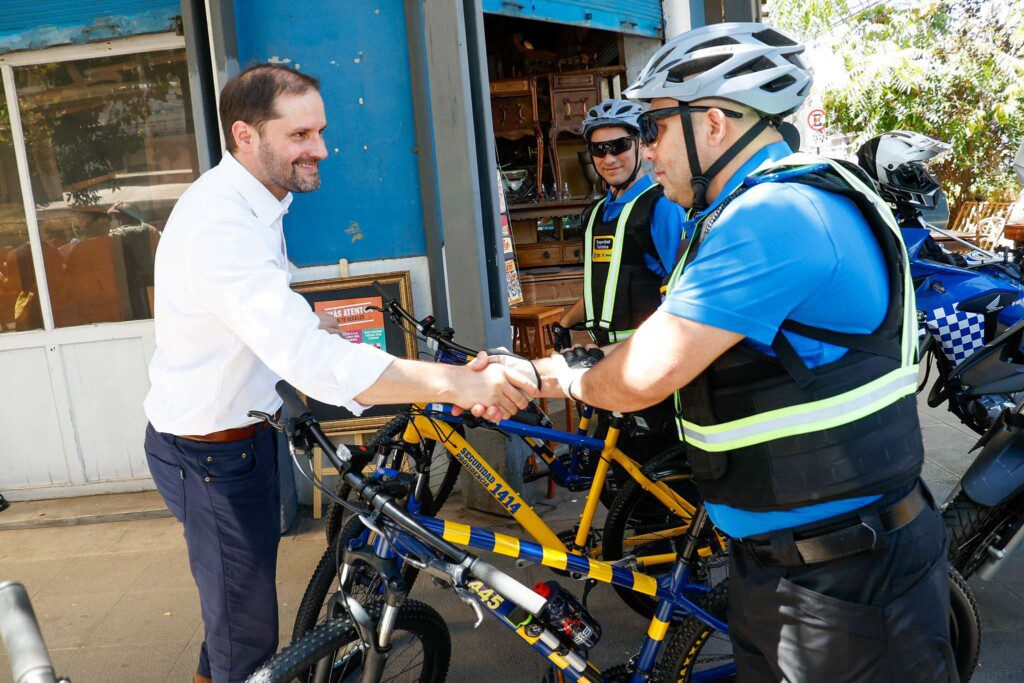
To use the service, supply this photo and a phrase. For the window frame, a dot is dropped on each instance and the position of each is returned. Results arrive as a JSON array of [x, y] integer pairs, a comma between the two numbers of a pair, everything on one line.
[[153, 42]]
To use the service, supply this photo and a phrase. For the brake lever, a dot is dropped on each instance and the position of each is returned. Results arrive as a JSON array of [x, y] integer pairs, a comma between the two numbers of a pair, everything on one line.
[[467, 597], [268, 418]]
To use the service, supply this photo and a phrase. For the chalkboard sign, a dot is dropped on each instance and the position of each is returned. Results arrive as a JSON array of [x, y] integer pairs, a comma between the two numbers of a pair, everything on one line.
[[347, 299]]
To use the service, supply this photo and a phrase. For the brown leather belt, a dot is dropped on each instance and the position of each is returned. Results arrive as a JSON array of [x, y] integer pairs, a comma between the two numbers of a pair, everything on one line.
[[235, 434]]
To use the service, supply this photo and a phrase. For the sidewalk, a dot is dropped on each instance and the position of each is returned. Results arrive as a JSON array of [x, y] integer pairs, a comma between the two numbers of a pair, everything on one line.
[[117, 603]]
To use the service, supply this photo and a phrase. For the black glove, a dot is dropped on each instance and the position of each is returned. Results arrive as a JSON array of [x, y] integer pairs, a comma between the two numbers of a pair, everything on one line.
[[562, 337], [582, 358]]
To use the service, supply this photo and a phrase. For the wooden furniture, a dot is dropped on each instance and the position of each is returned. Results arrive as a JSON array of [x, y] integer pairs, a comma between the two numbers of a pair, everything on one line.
[[565, 249], [573, 93], [532, 338], [517, 112], [553, 287], [531, 330], [971, 214]]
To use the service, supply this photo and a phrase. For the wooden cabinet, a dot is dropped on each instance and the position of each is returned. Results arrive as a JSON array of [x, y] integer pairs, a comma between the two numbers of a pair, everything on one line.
[[517, 111], [559, 288], [572, 96]]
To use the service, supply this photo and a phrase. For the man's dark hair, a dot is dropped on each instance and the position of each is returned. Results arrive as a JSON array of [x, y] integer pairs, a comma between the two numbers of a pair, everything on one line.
[[250, 95]]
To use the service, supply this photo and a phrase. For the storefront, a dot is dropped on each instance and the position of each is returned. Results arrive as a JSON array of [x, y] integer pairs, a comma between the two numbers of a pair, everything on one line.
[[107, 112]]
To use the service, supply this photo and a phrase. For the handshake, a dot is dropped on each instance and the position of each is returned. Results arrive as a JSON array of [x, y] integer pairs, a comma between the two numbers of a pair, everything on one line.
[[497, 385]]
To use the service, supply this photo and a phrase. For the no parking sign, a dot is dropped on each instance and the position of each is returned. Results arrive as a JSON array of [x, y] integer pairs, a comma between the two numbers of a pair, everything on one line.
[[816, 120]]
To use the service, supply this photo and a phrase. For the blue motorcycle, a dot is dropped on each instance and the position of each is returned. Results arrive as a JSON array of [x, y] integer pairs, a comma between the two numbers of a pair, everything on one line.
[[964, 302], [971, 317]]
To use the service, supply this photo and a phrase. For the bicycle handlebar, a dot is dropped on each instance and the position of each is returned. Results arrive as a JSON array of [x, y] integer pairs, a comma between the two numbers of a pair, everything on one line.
[[395, 309], [292, 400], [29, 659]]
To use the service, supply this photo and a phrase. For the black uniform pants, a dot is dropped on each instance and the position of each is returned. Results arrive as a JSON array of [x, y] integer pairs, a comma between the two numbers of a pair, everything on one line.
[[880, 615]]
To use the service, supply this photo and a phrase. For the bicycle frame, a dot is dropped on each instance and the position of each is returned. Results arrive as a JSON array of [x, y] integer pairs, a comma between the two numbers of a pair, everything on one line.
[[433, 421], [671, 592]]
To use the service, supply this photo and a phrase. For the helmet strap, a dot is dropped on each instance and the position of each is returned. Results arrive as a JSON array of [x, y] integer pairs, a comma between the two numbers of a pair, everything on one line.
[[700, 181]]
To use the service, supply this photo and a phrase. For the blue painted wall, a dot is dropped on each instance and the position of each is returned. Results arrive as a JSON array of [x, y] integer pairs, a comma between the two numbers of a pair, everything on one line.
[[368, 206], [33, 24], [637, 17]]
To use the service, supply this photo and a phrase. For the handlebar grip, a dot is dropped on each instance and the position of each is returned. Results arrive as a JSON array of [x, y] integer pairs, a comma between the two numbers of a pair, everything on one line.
[[523, 596], [30, 662], [292, 401], [379, 288]]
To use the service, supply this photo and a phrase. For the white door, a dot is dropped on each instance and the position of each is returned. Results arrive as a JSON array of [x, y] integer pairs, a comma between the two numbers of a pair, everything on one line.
[[97, 142]]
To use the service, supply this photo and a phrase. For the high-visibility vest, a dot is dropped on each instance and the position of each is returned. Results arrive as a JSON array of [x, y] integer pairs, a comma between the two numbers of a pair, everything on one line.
[[614, 272], [768, 433]]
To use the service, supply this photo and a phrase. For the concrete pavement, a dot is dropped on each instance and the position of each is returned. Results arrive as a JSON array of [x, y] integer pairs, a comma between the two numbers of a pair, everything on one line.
[[117, 603]]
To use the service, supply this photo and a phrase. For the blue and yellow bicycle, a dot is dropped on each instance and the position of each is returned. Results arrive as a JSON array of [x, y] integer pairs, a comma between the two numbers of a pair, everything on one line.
[[394, 638], [428, 442]]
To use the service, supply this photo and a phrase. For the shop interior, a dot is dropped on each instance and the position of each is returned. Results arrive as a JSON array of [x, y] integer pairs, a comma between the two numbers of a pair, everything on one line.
[[544, 77]]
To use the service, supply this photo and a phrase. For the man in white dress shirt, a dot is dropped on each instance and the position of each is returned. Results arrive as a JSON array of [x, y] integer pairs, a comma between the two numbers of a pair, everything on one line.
[[227, 329]]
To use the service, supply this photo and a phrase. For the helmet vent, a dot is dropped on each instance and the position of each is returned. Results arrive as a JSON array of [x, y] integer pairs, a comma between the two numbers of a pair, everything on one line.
[[692, 67], [779, 83], [773, 38], [714, 42], [752, 67]]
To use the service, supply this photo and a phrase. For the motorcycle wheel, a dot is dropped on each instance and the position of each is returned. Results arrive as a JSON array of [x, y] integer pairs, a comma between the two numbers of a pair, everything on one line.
[[969, 527]]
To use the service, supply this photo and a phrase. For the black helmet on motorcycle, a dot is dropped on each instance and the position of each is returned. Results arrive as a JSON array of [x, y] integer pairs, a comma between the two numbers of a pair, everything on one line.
[[895, 161]]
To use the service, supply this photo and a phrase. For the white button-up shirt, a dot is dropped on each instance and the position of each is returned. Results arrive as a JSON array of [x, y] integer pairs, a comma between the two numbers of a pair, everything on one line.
[[228, 326]]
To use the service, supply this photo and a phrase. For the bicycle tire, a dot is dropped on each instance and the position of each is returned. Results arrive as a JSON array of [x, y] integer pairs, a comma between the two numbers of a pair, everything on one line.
[[299, 659], [633, 502], [689, 638], [324, 581], [334, 517]]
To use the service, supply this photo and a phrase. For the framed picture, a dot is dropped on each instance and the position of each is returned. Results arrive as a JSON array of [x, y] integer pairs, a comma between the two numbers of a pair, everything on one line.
[[347, 298]]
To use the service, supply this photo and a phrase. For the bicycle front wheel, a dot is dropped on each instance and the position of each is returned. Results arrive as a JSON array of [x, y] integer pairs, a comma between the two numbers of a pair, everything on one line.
[[332, 652]]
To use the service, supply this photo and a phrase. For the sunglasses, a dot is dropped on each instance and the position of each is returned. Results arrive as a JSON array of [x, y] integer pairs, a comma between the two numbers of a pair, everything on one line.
[[614, 147], [649, 119]]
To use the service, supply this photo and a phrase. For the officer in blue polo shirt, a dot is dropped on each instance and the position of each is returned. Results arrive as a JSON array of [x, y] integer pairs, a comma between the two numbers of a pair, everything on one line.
[[788, 338], [630, 243]]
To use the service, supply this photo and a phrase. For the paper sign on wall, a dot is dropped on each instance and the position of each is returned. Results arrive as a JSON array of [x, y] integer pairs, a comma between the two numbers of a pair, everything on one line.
[[358, 325]]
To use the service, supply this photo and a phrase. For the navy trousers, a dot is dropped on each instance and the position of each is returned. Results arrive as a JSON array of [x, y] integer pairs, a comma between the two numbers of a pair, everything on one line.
[[228, 499]]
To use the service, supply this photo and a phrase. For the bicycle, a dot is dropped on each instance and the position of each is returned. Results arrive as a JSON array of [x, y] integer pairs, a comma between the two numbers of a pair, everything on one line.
[[29, 659], [427, 426], [360, 641]]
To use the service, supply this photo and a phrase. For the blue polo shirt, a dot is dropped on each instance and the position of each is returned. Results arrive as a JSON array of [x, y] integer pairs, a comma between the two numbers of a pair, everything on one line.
[[784, 251], [667, 221]]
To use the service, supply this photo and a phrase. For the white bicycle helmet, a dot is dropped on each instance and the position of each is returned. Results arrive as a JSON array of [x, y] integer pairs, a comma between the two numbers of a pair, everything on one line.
[[895, 160], [748, 63], [620, 113], [612, 112]]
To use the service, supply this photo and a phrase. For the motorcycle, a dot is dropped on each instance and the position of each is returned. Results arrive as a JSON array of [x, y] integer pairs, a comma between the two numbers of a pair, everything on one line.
[[963, 302], [984, 515]]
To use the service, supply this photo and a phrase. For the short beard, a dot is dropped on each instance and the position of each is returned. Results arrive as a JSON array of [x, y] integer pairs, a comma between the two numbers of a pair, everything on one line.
[[284, 174]]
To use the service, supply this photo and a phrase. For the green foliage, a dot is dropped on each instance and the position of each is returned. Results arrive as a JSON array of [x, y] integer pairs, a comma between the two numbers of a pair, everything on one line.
[[951, 69], [804, 19]]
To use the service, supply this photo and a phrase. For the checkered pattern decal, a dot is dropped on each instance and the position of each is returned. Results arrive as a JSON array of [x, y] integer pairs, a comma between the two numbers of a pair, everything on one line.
[[959, 334]]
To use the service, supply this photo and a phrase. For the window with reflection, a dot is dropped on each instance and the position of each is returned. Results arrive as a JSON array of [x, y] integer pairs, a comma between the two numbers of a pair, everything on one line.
[[19, 294], [111, 146]]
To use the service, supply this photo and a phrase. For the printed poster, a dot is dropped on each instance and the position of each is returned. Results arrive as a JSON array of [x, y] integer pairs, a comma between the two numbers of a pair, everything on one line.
[[358, 324]]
